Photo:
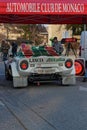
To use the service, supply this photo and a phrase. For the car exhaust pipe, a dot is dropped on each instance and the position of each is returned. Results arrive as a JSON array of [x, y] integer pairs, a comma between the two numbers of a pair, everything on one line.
[[31, 79]]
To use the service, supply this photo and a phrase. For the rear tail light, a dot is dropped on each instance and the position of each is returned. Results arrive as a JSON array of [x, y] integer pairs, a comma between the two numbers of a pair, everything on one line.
[[68, 63], [79, 67], [24, 65]]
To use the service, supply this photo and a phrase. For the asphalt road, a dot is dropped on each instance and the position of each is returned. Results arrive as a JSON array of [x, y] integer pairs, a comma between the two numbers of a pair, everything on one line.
[[44, 107]]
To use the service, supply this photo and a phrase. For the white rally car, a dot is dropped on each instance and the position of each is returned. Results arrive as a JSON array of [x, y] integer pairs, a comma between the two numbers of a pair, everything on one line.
[[28, 67]]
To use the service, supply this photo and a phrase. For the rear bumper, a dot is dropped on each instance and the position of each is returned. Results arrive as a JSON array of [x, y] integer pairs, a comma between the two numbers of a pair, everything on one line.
[[44, 77]]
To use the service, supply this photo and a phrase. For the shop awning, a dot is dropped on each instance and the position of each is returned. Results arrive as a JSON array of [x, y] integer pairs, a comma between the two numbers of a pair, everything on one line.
[[43, 11]]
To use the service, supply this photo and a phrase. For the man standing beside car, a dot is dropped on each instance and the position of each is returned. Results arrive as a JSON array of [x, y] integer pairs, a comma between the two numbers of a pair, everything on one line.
[[57, 46]]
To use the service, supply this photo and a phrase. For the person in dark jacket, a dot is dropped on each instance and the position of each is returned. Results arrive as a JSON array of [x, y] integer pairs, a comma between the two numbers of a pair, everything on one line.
[[57, 46], [14, 48], [4, 49]]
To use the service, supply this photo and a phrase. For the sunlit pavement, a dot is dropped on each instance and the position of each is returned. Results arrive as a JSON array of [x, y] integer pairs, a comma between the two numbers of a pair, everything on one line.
[[44, 107]]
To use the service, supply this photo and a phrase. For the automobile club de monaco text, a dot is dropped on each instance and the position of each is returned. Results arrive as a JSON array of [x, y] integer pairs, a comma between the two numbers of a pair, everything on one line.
[[45, 7]]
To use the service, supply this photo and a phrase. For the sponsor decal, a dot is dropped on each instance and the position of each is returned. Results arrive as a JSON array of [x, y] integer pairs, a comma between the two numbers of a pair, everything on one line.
[[47, 60], [36, 60], [55, 59]]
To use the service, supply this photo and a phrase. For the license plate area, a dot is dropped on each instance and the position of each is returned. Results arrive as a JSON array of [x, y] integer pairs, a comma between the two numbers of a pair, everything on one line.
[[45, 71]]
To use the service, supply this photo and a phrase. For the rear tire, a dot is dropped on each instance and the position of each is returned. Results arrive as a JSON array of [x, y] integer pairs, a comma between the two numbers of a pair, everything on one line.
[[84, 79], [7, 75]]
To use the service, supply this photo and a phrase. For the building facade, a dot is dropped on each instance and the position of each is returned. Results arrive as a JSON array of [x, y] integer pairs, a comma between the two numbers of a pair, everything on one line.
[[59, 31]]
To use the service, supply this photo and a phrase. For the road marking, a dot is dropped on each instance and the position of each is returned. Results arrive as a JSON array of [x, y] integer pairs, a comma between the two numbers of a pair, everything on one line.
[[2, 104], [81, 88]]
